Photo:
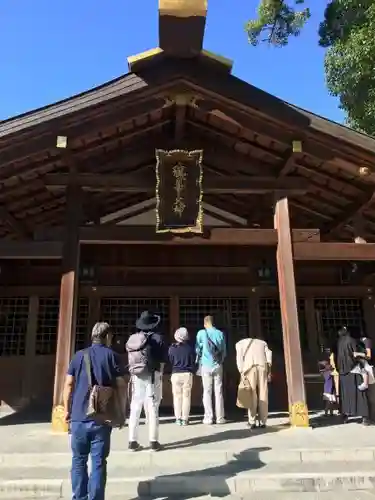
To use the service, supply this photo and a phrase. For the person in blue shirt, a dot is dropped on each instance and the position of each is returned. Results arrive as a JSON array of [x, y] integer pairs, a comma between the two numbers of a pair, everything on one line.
[[87, 436], [182, 358], [211, 352]]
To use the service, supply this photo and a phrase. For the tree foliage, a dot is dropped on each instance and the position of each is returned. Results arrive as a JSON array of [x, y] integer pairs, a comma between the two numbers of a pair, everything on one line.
[[276, 22], [348, 34]]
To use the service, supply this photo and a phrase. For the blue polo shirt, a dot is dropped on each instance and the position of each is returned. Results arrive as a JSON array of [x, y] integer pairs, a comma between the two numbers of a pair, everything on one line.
[[202, 346], [106, 366]]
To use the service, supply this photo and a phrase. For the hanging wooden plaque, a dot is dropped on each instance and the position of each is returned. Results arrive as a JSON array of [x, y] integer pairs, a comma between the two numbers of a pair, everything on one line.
[[179, 193]]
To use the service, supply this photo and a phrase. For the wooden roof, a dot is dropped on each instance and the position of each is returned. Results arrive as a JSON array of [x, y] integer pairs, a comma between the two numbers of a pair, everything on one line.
[[192, 103]]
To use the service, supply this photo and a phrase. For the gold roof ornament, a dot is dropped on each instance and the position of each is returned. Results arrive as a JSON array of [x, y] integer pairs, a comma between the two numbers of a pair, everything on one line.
[[297, 146], [364, 171], [61, 142], [183, 8]]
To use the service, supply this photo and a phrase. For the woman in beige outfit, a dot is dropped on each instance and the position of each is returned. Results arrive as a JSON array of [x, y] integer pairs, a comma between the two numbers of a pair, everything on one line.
[[182, 358]]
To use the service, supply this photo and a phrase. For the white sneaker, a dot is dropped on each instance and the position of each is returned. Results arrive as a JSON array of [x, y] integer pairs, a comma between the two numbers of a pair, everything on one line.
[[221, 421], [363, 386], [207, 422]]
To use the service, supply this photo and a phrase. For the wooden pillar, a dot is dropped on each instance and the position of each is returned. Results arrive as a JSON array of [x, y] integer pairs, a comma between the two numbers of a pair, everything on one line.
[[32, 326], [68, 303], [369, 315], [312, 328], [174, 314], [254, 316], [289, 316], [94, 312]]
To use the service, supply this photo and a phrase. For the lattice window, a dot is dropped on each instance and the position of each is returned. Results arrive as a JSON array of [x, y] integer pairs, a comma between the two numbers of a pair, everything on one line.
[[333, 313], [122, 312], [82, 333], [14, 313], [48, 318], [270, 320], [231, 315]]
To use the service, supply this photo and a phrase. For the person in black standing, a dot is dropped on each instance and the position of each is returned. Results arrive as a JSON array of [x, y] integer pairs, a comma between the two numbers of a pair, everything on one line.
[[366, 347], [353, 402]]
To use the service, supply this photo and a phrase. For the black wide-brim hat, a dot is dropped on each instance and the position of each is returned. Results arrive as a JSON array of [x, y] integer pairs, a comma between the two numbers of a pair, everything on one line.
[[147, 321]]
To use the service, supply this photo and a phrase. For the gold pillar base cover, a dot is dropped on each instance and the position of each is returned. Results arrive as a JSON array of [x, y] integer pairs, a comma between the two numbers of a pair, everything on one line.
[[58, 420], [299, 415]]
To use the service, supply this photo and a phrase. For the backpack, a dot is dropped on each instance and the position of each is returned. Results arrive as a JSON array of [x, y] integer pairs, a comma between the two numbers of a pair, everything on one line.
[[215, 351], [139, 354]]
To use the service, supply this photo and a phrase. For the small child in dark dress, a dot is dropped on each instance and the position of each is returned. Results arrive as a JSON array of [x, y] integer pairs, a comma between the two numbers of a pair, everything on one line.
[[329, 392]]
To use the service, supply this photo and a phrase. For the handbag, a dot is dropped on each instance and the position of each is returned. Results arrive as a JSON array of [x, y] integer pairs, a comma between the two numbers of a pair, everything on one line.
[[104, 402]]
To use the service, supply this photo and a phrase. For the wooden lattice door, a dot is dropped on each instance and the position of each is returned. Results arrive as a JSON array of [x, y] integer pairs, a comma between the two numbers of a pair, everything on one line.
[[14, 313], [272, 332], [122, 312], [333, 313]]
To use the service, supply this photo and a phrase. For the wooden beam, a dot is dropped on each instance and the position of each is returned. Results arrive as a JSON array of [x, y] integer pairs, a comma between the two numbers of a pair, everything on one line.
[[68, 302], [222, 218], [222, 185], [182, 101], [289, 315], [146, 235], [81, 129], [241, 270], [334, 251], [181, 26], [51, 250], [222, 157], [290, 164], [317, 145], [246, 145], [190, 291], [18, 227], [355, 208], [359, 228]]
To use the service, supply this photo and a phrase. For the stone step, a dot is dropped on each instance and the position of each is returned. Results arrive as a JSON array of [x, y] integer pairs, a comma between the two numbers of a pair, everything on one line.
[[233, 478], [197, 457], [352, 495]]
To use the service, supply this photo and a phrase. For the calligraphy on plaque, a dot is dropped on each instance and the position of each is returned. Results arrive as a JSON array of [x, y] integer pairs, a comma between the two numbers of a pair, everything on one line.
[[179, 193]]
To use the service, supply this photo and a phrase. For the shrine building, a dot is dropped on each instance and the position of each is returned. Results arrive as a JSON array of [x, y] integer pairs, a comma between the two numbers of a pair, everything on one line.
[[181, 189]]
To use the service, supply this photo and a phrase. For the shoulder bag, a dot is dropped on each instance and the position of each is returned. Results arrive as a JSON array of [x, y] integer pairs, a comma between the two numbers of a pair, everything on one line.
[[104, 402]]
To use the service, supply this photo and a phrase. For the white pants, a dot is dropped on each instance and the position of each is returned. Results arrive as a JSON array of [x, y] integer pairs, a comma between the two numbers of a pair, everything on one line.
[[181, 389], [145, 393], [212, 379], [158, 395]]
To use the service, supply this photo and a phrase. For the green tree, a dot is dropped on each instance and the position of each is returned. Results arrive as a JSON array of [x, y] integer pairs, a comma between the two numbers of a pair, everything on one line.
[[276, 21], [348, 33]]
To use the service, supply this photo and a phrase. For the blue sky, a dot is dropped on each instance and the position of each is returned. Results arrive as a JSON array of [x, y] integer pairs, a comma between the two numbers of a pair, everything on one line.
[[50, 50]]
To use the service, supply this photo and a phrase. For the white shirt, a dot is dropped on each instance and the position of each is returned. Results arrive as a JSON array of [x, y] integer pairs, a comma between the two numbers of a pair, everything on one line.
[[252, 352]]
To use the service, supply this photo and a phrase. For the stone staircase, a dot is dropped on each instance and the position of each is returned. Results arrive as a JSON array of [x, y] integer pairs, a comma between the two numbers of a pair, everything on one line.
[[194, 473], [324, 463]]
